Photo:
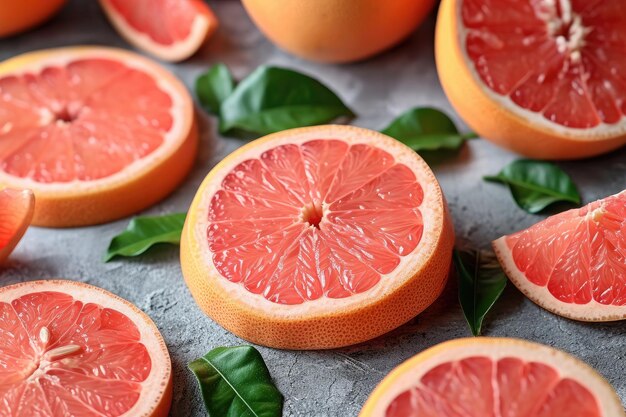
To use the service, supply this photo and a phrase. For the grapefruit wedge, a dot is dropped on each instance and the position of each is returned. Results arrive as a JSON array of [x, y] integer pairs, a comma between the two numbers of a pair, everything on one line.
[[96, 133], [16, 213], [493, 377], [317, 238], [71, 349], [171, 30], [573, 263], [546, 79]]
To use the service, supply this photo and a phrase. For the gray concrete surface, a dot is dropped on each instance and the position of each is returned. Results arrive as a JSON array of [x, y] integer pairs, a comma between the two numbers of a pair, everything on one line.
[[324, 383]]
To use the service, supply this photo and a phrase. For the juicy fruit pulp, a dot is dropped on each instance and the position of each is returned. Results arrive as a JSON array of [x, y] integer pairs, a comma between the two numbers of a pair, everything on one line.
[[479, 386], [60, 356], [319, 219], [16, 212], [562, 59], [164, 21], [578, 255], [75, 122]]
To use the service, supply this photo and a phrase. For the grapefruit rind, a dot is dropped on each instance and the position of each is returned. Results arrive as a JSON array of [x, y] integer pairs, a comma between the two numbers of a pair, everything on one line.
[[497, 117], [157, 389], [407, 375], [201, 28], [322, 323], [140, 184]]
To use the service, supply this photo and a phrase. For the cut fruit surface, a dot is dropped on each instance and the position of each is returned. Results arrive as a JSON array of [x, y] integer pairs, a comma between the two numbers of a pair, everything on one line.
[[306, 232], [573, 263], [69, 348], [172, 30], [493, 377], [544, 78], [69, 132], [16, 213]]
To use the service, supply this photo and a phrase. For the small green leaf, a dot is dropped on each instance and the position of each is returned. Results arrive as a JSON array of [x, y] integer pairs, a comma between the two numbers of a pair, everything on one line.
[[273, 99], [426, 129], [481, 282], [535, 185], [214, 86], [235, 382], [143, 232]]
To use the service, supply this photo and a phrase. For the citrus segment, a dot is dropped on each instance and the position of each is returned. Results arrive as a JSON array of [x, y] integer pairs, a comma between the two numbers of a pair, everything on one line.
[[495, 378], [573, 263], [545, 70], [72, 349], [169, 29], [16, 212], [71, 134], [314, 222]]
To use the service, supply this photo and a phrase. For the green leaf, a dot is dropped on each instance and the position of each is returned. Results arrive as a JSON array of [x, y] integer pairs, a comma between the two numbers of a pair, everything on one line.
[[143, 232], [481, 282], [214, 86], [235, 382], [426, 129], [273, 99], [535, 185]]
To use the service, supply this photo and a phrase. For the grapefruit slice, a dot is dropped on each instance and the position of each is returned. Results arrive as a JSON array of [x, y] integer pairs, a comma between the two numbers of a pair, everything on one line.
[[71, 349], [546, 79], [573, 263], [96, 133], [16, 212], [493, 377], [171, 30], [317, 238]]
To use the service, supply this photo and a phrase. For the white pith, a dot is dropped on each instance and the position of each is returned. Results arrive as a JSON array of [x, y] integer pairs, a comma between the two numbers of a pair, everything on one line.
[[574, 44], [409, 373], [155, 384], [181, 112], [176, 51], [432, 210]]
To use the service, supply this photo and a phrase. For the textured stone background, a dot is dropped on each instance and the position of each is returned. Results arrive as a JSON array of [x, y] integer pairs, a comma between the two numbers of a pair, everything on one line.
[[327, 383]]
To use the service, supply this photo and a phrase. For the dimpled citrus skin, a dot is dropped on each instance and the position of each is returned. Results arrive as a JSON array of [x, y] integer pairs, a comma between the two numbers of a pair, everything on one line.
[[18, 16], [490, 119], [337, 30], [333, 327]]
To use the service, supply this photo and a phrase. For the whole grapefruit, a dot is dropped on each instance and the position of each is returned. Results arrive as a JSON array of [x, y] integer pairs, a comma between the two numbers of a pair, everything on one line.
[[337, 30], [18, 16]]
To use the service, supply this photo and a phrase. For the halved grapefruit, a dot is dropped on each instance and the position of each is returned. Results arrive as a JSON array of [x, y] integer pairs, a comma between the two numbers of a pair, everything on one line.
[[172, 30], [546, 79], [493, 377], [71, 349], [16, 212], [317, 238], [96, 133], [573, 263]]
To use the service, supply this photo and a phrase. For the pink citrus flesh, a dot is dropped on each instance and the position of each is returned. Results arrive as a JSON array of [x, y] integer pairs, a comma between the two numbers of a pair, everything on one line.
[[573, 263], [318, 219], [75, 121], [16, 212], [68, 348], [478, 386], [559, 59]]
